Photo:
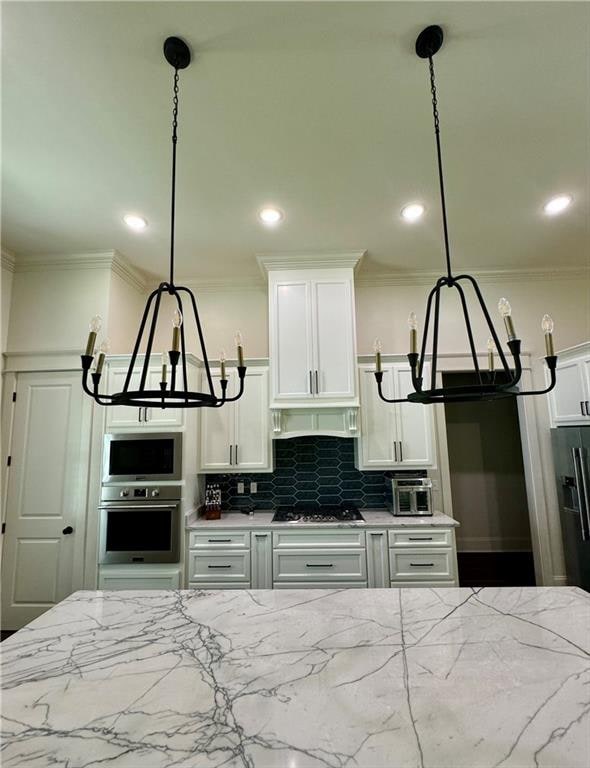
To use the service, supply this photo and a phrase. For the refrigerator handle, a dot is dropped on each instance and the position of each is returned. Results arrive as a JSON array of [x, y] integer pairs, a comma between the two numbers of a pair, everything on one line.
[[585, 486], [582, 493]]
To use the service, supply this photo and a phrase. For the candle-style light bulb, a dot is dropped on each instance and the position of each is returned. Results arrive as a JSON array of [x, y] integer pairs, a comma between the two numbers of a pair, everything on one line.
[[547, 326], [176, 323], [164, 367], [505, 311], [240, 347], [491, 354], [104, 349], [377, 349], [222, 361], [413, 326], [94, 327]]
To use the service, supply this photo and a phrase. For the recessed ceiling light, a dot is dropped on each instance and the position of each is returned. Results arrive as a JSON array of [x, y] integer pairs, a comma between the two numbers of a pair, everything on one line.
[[135, 222], [270, 216], [412, 212], [557, 204]]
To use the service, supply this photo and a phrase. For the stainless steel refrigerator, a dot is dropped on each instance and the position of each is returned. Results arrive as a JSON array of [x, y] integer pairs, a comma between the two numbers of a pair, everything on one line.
[[571, 453]]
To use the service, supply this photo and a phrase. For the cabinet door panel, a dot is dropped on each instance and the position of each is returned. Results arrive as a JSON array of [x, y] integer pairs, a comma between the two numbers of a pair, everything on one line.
[[217, 431], [122, 415], [252, 449], [261, 560], [377, 421], [414, 424], [570, 392], [377, 559], [291, 352], [333, 339], [164, 417]]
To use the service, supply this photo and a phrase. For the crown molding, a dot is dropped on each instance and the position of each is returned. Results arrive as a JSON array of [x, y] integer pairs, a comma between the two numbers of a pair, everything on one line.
[[309, 260], [112, 260], [8, 260], [221, 285], [429, 277]]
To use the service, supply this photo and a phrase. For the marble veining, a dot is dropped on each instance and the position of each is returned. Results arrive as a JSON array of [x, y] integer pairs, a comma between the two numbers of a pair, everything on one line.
[[377, 518], [423, 678]]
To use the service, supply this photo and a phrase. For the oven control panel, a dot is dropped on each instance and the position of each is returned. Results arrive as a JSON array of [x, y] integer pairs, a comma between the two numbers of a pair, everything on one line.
[[137, 493]]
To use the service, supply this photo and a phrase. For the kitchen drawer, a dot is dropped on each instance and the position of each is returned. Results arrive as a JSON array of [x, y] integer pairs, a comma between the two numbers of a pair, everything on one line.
[[219, 540], [420, 537], [219, 566], [449, 584], [319, 585], [219, 585], [309, 565], [421, 564], [312, 537]]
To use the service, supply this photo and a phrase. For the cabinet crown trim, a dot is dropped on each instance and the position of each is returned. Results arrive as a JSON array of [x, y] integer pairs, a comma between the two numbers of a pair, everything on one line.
[[315, 260]]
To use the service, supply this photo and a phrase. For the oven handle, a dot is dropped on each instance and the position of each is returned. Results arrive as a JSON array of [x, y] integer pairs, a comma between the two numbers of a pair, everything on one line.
[[117, 506]]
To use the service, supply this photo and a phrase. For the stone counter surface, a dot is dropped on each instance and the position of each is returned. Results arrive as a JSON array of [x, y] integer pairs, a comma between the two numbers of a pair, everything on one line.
[[423, 678], [376, 518]]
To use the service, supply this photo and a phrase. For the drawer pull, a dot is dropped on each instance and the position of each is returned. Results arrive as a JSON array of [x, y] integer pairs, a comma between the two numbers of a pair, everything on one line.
[[419, 538], [219, 566], [319, 565], [422, 565], [219, 541], [260, 535]]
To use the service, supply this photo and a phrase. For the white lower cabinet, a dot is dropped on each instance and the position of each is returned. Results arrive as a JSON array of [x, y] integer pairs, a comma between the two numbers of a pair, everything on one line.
[[321, 558], [139, 577]]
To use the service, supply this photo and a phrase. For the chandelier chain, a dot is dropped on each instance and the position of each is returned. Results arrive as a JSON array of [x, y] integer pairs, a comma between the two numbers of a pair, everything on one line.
[[433, 92], [173, 200], [441, 181]]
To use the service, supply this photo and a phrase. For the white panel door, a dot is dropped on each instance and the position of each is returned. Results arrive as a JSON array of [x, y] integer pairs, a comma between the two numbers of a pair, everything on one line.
[[567, 400], [217, 430], [261, 574], [334, 370], [121, 415], [377, 559], [291, 351], [252, 435], [46, 493], [165, 417], [377, 421], [415, 425]]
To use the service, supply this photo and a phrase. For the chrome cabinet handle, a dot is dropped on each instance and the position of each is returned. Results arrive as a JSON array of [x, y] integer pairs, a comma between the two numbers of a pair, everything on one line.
[[236, 454], [317, 386], [139, 417], [319, 565], [587, 408], [422, 565], [375, 533], [419, 538], [224, 541], [261, 535], [577, 474], [219, 566], [582, 407], [395, 448], [145, 415], [401, 453], [230, 456], [310, 384]]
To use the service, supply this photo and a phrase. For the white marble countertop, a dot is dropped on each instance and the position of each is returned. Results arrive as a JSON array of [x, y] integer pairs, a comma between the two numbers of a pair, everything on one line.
[[377, 518], [423, 678]]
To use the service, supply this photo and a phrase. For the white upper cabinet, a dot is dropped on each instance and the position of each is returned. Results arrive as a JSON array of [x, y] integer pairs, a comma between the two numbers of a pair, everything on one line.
[[393, 435], [569, 402], [123, 416], [236, 436], [312, 337]]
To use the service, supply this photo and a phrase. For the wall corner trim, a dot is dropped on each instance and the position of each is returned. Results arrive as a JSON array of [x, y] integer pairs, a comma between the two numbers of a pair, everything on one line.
[[8, 260]]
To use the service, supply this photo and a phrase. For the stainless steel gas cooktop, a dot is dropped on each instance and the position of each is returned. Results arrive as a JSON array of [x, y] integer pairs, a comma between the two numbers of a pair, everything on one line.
[[342, 514]]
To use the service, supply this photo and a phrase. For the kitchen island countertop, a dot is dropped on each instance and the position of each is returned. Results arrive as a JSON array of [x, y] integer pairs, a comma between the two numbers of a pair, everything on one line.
[[376, 518], [431, 678]]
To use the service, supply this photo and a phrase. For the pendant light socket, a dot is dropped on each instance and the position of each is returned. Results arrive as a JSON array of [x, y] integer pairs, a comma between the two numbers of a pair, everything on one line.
[[177, 52]]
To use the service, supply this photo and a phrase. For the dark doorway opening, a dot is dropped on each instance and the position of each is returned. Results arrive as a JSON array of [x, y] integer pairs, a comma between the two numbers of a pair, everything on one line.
[[488, 489]]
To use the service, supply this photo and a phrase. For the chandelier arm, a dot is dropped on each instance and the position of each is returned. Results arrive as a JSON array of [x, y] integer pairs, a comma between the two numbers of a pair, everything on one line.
[[469, 331], [182, 340], [439, 282], [241, 374], [138, 339], [486, 314], [435, 339], [379, 378], [514, 345], [201, 339], [441, 182], [551, 364], [148, 349]]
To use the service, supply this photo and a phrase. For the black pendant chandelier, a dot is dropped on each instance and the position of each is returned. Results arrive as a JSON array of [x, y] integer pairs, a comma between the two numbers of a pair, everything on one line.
[[489, 385], [169, 395]]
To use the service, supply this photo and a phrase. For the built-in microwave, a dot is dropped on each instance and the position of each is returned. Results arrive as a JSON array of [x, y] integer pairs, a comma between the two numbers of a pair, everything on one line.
[[147, 456]]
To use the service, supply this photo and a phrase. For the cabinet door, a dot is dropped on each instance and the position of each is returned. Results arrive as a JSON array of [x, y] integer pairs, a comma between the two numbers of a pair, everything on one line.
[[290, 332], [377, 559], [252, 436], [122, 415], [45, 504], [567, 400], [164, 417], [334, 370], [217, 431], [415, 423], [377, 421], [261, 560]]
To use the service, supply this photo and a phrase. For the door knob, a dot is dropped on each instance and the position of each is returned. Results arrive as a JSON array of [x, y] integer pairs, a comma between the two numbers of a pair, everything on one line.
[[67, 530]]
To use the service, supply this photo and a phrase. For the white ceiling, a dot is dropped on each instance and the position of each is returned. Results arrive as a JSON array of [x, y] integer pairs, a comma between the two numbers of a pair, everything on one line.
[[320, 108]]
